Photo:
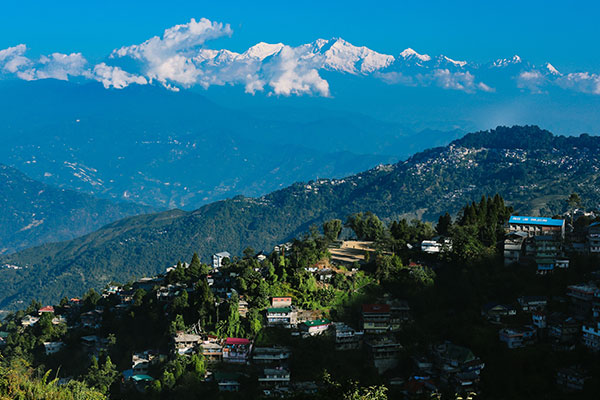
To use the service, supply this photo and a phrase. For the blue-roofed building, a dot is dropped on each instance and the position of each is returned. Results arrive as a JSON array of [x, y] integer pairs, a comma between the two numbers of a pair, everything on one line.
[[535, 226]]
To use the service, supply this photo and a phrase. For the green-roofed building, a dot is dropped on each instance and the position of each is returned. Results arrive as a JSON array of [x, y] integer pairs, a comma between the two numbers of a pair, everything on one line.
[[142, 378], [315, 326]]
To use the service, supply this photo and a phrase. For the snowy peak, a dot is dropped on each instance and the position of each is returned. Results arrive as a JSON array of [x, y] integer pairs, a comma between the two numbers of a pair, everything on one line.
[[552, 70], [504, 62], [409, 53], [454, 62], [343, 56], [262, 50], [215, 56]]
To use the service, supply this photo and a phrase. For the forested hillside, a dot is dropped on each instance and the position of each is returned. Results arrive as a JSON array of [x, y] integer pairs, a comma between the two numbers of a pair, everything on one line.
[[536, 178], [33, 213]]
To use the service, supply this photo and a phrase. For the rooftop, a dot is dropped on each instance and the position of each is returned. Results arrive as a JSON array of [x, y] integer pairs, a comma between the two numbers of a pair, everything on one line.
[[515, 219], [376, 308], [317, 322], [279, 309], [237, 341]]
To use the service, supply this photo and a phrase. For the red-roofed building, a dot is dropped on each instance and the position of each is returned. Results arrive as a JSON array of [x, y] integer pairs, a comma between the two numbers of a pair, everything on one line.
[[237, 350], [74, 301], [234, 341], [376, 318], [46, 309]]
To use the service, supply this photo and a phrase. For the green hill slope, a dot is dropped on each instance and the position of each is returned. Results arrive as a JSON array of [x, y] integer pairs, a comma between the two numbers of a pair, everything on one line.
[[32, 213], [535, 177]]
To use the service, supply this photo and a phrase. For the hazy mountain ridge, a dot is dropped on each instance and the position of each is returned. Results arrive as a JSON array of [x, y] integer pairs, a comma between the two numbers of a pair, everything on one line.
[[34, 213], [169, 150], [425, 185]]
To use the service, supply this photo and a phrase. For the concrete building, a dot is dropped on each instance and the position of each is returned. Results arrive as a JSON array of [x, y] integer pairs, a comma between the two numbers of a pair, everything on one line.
[[278, 302], [315, 327], [590, 336], [274, 378], [513, 247], [237, 350], [571, 379], [271, 355], [517, 337], [53, 347], [532, 303], [547, 250], [535, 226], [217, 259], [376, 318], [185, 343], [212, 350], [593, 238], [384, 350], [285, 317], [347, 338]]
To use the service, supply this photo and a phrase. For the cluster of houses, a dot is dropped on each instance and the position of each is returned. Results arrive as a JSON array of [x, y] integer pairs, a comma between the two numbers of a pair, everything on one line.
[[528, 239], [445, 364], [379, 323], [282, 313], [270, 364], [573, 319]]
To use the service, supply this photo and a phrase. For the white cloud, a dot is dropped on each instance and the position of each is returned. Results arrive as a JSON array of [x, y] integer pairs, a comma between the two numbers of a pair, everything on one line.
[[532, 80], [444, 78], [12, 58], [169, 58], [293, 71], [396, 77], [57, 66], [485, 88], [178, 59], [115, 77], [583, 82], [454, 80]]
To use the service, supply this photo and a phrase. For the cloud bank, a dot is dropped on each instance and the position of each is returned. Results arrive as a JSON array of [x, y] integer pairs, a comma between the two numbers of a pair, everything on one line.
[[180, 58]]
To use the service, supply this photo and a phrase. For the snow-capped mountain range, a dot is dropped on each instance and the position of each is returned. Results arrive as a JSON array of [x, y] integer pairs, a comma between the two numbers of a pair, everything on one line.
[[180, 58]]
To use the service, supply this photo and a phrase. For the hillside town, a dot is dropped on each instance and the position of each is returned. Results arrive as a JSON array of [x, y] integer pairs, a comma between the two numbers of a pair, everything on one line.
[[237, 325]]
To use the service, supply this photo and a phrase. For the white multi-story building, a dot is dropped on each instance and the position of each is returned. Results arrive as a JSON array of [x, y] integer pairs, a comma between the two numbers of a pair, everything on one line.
[[53, 347], [217, 259], [513, 247], [591, 336], [593, 238]]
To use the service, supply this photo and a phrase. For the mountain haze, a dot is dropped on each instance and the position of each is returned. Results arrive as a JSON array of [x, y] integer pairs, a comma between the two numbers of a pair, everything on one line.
[[168, 150], [33, 213]]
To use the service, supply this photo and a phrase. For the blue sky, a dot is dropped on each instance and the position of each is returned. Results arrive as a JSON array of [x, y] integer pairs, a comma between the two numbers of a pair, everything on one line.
[[565, 34]]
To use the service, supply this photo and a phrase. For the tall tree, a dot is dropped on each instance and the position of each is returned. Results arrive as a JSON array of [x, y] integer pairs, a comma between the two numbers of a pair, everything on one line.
[[332, 229], [444, 224]]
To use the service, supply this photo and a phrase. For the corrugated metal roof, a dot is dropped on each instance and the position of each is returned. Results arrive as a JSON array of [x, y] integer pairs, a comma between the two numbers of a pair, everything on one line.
[[279, 309], [517, 219], [317, 322]]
